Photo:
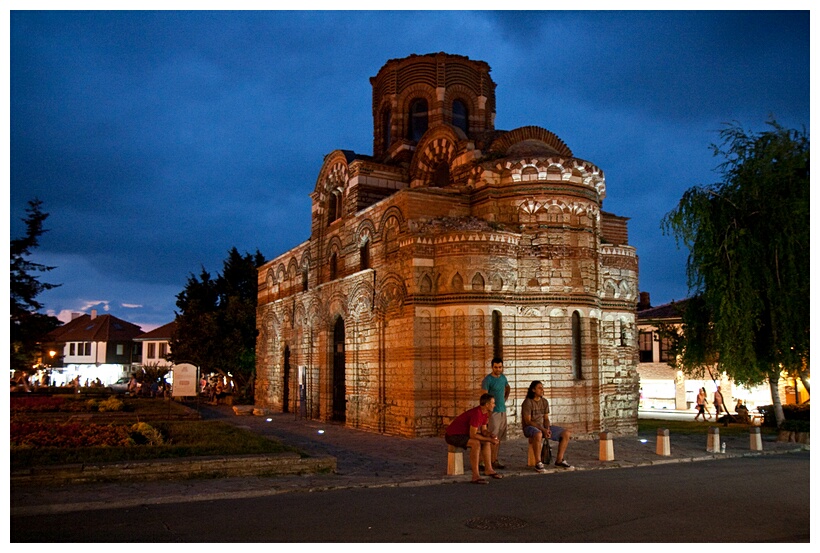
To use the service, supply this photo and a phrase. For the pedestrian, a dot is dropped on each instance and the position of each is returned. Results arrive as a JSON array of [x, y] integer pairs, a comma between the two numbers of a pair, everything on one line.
[[535, 418], [718, 403], [701, 404], [496, 385], [469, 431]]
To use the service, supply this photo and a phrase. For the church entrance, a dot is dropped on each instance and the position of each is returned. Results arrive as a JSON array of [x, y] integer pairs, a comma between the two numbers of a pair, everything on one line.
[[339, 392]]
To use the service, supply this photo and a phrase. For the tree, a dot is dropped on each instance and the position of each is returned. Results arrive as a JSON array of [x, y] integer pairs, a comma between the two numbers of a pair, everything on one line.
[[216, 322], [27, 325], [748, 241]]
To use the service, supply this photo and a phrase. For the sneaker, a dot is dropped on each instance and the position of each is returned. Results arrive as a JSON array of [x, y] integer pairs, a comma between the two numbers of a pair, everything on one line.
[[499, 465], [539, 467], [563, 464]]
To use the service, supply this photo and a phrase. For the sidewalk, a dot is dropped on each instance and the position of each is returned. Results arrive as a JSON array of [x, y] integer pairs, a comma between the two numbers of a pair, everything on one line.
[[363, 459]]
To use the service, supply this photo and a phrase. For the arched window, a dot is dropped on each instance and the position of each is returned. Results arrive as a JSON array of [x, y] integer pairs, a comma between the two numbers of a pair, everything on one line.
[[333, 266], [576, 346], [332, 208], [386, 123], [364, 256], [498, 341], [460, 115], [441, 177], [304, 279], [418, 119]]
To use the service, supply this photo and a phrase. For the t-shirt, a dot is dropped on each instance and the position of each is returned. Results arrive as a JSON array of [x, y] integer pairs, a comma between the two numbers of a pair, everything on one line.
[[497, 386], [462, 423], [536, 408]]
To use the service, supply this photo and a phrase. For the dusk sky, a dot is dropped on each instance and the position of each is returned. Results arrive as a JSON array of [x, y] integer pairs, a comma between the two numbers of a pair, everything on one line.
[[159, 140]]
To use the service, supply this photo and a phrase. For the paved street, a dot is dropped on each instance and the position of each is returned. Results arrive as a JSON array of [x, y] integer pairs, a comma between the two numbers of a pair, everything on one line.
[[728, 500], [364, 460]]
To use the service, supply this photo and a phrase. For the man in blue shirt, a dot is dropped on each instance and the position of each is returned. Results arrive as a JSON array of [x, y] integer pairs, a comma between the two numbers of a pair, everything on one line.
[[496, 384]]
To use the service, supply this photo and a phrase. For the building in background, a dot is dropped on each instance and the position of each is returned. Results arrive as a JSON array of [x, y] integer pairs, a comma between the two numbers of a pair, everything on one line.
[[663, 387], [155, 346], [453, 243], [92, 347]]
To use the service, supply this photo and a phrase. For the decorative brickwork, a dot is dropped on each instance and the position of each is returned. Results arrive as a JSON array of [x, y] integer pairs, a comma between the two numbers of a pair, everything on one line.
[[432, 256]]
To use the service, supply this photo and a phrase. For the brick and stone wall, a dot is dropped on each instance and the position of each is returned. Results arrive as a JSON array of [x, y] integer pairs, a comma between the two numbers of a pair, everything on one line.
[[434, 256]]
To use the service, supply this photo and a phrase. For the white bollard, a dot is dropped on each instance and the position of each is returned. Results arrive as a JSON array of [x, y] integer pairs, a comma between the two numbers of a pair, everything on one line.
[[662, 447], [455, 460], [606, 451], [755, 441], [713, 440]]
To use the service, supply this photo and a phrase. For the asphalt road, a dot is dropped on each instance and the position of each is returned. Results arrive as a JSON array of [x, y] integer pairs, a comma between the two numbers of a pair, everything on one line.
[[756, 499]]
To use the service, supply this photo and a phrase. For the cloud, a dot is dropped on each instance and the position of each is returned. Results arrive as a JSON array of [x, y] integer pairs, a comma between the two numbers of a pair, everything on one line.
[[131, 305]]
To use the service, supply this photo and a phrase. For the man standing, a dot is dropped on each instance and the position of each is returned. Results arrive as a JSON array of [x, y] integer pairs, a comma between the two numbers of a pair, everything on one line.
[[496, 385], [536, 421], [469, 431], [718, 403]]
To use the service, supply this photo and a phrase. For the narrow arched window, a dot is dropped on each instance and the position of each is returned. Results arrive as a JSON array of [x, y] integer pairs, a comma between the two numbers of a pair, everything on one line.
[[498, 342], [333, 266], [332, 208], [576, 346], [418, 119], [364, 256], [386, 122], [460, 116], [304, 279]]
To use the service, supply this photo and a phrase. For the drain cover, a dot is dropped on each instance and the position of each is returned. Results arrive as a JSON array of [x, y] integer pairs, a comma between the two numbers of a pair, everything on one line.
[[495, 523]]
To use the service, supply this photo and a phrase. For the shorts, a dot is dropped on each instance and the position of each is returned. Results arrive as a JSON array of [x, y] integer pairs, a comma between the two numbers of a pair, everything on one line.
[[498, 425], [555, 431], [458, 440]]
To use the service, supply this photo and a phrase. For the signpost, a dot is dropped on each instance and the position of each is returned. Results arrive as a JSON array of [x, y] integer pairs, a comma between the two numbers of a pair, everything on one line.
[[185, 380]]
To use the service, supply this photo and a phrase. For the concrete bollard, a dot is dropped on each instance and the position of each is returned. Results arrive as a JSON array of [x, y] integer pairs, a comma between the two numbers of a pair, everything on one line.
[[713, 440], [606, 452], [662, 447], [755, 441], [455, 460]]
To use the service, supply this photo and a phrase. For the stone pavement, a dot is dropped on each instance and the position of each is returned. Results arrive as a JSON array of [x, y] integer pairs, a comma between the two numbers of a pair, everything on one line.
[[364, 459]]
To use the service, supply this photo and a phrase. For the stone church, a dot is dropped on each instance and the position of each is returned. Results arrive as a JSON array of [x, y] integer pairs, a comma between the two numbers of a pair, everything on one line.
[[453, 243]]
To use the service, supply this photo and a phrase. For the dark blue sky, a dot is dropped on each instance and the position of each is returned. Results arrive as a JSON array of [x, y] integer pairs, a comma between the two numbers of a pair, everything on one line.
[[159, 140]]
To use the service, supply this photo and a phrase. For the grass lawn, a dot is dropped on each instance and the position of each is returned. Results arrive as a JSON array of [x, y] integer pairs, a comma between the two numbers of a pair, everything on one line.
[[650, 426], [181, 438]]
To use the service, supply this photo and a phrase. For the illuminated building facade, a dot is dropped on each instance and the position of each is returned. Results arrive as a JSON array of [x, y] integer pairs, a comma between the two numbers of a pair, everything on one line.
[[453, 243]]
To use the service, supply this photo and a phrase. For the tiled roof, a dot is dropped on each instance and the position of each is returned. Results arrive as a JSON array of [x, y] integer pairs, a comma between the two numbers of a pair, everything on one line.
[[163, 332], [665, 312], [104, 328]]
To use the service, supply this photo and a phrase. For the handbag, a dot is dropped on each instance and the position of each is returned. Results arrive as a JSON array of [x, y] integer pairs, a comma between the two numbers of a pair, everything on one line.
[[546, 452]]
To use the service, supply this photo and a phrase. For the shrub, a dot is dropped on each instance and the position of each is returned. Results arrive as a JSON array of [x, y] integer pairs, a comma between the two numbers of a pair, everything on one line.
[[145, 434], [110, 404]]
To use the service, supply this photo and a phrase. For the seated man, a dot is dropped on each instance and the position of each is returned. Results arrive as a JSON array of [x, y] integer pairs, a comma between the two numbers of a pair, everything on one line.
[[469, 431], [536, 420], [742, 412]]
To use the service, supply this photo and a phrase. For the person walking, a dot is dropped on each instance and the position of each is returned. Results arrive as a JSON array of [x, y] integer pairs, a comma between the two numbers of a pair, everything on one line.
[[701, 404], [536, 422], [496, 385], [718, 403], [469, 431]]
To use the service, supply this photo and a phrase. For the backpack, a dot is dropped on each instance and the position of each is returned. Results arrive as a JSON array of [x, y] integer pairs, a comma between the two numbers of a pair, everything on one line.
[[546, 452]]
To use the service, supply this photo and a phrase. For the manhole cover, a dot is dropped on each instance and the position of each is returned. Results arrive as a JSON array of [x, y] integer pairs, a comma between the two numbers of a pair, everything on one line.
[[495, 523]]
